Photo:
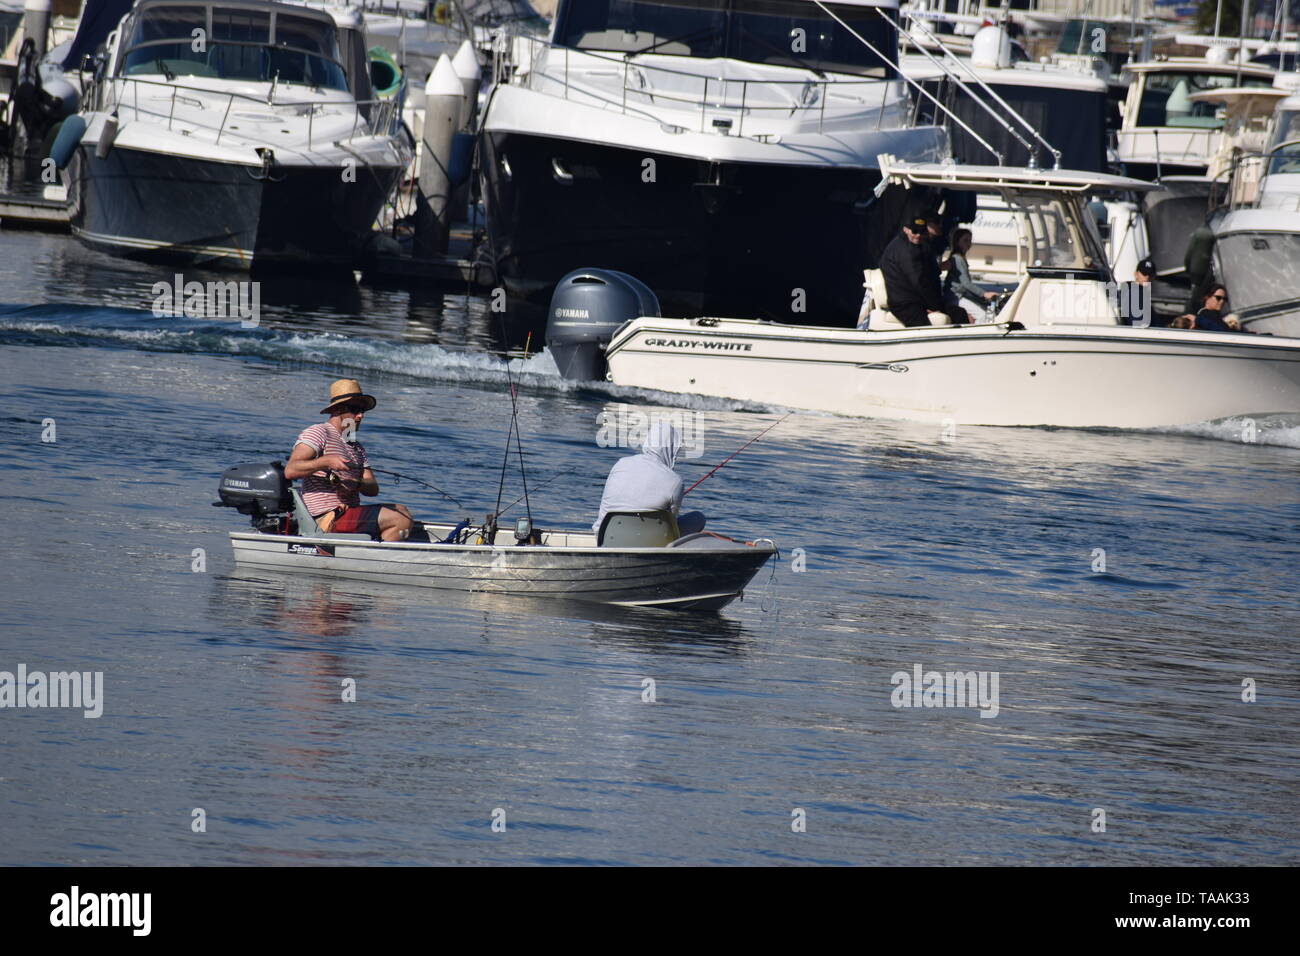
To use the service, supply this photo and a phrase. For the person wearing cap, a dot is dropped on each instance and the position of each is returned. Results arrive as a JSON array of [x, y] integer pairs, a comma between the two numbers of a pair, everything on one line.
[[335, 471], [911, 276], [1135, 296]]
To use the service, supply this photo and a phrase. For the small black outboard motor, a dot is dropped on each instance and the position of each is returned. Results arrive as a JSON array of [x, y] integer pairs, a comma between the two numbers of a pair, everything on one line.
[[259, 491], [588, 305]]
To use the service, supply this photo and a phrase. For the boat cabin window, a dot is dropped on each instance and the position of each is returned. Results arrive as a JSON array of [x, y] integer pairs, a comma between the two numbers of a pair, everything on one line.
[[241, 46], [1285, 143], [781, 32], [1056, 233], [1165, 98]]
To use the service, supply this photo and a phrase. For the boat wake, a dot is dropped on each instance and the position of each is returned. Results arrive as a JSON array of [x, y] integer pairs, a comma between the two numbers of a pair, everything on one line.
[[106, 327], [1280, 430], [102, 327]]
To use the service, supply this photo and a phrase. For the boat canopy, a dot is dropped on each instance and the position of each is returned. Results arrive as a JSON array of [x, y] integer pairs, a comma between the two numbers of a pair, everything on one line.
[[244, 40], [1004, 178], [98, 19]]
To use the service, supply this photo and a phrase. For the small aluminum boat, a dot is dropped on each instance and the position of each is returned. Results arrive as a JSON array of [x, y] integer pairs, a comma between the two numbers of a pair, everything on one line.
[[701, 572]]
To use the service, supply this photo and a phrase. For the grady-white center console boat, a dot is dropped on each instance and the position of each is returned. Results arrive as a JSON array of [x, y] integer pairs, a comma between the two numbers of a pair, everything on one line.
[[1056, 354]]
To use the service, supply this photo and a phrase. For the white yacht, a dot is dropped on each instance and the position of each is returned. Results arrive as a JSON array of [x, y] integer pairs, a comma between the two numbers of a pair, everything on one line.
[[1056, 355], [723, 151], [1257, 232], [252, 142], [1170, 133]]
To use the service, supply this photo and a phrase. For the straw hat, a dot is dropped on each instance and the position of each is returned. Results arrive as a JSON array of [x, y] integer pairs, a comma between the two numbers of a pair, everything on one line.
[[347, 390]]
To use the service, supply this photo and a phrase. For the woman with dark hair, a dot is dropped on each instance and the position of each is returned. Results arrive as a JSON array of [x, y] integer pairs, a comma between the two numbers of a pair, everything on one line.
[[1211, 317], [958, 284]]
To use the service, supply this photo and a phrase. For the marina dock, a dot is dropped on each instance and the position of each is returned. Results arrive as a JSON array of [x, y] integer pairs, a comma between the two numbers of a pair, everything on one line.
[[32, 212]]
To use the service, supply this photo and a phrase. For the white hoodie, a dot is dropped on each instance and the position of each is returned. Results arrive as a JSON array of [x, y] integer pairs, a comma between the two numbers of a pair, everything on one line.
[[645, 482]]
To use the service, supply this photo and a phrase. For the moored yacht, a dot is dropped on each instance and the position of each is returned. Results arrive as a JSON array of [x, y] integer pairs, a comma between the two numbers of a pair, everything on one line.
[[253, 141], [1170, 133], [1257, 232], [1056, 354], [723, 151]]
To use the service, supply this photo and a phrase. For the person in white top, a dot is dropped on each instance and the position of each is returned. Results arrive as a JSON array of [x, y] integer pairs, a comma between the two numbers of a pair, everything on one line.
[[647, 482]]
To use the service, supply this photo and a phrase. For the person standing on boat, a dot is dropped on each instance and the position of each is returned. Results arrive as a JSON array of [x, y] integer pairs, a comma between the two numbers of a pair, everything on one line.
[[912, 278], [647, 482], [335, 471]]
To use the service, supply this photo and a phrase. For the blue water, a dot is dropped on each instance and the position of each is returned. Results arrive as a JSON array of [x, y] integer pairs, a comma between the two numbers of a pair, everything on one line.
[[1119, 690]]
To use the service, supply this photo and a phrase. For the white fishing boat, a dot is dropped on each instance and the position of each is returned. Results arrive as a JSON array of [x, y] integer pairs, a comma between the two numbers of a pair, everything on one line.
[[637, 559], [1056, 355]]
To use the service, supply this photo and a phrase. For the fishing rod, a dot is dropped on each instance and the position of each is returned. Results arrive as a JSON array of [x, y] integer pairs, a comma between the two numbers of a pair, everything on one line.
[[514, 432], [538, 488], [739, 450], [418, 481]]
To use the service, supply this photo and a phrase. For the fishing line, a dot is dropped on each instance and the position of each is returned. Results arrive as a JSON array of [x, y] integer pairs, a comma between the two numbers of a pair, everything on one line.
[[514, 431], [738, 451], [418, 481]]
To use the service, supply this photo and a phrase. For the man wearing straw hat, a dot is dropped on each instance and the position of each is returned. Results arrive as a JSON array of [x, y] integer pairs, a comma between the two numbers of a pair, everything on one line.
[[335, 471]]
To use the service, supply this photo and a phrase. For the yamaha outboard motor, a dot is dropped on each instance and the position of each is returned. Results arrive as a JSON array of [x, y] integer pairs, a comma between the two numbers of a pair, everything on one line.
[[588, 305], [259, 491]]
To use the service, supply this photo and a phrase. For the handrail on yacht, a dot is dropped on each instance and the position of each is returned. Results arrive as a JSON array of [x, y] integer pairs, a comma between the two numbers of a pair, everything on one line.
[[819, 89], [380, 120], [1056, 153]]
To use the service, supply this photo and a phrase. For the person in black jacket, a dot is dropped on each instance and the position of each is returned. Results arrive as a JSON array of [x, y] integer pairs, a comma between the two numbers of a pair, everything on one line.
[[912, 279], [1211, 317]]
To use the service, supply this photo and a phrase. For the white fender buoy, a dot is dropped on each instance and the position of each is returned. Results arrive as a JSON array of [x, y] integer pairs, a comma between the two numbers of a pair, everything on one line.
[[465, 63], [106, 136]]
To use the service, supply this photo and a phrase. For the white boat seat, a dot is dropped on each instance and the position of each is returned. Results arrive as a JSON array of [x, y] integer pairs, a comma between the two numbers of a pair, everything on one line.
[[637, 529], [307, 526], [875, 314]]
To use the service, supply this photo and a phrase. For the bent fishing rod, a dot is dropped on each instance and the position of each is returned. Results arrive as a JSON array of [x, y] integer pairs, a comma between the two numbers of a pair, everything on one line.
[[738, 451]]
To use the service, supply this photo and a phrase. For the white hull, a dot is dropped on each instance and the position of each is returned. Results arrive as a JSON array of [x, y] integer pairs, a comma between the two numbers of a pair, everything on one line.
[[1060, 375]]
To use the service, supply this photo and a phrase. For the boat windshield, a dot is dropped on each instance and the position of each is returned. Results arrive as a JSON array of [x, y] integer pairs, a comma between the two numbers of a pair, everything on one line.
[[240, 47], [1056, 234], [782, 32], [1285, 144], [1165, 98]]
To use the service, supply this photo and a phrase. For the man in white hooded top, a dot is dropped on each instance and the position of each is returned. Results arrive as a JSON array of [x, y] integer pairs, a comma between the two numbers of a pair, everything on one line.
[[647, 482]]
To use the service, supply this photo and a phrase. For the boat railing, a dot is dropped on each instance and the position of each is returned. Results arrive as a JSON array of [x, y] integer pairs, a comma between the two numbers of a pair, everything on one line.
[[1246, 174], [1169, 144], [536, 63], [382, 118]]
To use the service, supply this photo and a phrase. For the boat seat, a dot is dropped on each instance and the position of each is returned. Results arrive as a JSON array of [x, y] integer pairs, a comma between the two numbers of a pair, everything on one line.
[[637, 529], [875, 315], [307, 526]]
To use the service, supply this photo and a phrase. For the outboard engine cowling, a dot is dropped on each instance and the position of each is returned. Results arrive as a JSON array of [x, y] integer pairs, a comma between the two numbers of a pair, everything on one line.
[[586, 308], [259, 491]]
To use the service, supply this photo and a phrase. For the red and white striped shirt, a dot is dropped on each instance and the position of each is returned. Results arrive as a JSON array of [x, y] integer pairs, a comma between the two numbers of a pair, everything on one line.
[[317, 493]]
